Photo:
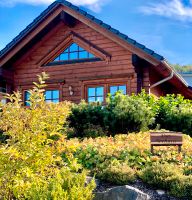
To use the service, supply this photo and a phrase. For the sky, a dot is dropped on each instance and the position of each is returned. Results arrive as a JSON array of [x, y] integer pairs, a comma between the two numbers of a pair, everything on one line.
[[165, 26]]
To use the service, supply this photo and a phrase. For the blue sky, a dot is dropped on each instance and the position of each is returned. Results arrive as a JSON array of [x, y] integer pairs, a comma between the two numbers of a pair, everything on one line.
[[163, 25]]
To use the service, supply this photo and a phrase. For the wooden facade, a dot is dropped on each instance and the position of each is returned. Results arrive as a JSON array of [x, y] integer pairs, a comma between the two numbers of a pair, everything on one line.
[[119, 63]]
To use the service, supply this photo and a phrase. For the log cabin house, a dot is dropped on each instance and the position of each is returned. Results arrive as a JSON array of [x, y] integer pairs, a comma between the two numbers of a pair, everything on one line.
[[85, 59]]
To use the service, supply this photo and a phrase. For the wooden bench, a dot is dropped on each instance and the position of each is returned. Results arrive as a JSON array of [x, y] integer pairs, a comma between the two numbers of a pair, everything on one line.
[[166, 139]]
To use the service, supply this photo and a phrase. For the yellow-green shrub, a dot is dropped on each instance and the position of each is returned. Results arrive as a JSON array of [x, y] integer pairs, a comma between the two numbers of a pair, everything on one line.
[[117, 173], [161, 175], [30, 165]]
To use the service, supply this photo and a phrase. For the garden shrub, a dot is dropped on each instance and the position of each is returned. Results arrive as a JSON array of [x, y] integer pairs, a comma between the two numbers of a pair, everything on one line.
[[174, 113], [109, 157], [121, 114], [169, 177], [182, 187], [128, 113], [161, 175], [30, 163], [87, 117], [116, 173]]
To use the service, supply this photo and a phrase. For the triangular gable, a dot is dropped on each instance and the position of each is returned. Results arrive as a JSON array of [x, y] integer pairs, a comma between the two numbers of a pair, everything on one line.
[[84, 52]]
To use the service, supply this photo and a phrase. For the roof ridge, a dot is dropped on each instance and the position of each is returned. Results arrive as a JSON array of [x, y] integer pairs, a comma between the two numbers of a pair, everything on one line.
[[87, 15]]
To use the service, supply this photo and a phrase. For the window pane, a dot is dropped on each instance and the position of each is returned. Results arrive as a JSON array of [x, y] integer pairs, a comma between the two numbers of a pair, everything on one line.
[[27, 98], [81, 49], [57, 59], [91, 99], [64, 56], [66, 50], [99, 99], [55, 101], [83, 54], [48, 94], [113, 90], [91, 55], [123, 89], [99, 91], [55, 94], [73, 56], [73, 47], [91, 92]]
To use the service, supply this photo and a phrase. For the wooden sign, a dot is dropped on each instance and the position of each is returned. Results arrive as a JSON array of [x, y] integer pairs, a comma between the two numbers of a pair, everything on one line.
[[166, 139]]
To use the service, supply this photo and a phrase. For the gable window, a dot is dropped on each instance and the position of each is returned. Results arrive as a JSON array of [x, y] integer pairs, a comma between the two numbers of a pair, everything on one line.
[[52, 96], [74, 53], [114, 88], [95, 94]]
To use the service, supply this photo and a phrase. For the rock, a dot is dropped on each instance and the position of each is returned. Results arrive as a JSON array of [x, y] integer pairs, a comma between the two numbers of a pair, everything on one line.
[[160, 192], [121, 193]]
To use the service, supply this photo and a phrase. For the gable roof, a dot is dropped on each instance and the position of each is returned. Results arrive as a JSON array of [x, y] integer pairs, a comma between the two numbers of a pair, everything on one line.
[[43, 15]]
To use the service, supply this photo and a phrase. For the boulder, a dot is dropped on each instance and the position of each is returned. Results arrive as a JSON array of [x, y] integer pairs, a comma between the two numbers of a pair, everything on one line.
[[121, 193]]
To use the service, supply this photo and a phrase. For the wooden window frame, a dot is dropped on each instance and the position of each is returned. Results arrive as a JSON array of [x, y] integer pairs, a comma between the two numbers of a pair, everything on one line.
[[95, 86], [106, 83]]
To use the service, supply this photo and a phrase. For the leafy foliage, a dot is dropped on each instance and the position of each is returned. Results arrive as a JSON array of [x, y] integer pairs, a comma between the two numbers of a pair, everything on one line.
[[122, 158], [182, 68], [174, 113], [84, 117], [30, 164], [121, 114], [116, 172], [169, 177]]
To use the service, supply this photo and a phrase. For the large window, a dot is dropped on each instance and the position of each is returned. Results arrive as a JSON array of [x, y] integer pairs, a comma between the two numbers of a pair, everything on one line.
[[98, 93], [113, 89], [95, 94], [52, 96], [74, 52]]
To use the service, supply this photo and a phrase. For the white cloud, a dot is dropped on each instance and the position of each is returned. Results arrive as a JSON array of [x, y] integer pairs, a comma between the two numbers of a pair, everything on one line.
[[176, 9], [94, 5]]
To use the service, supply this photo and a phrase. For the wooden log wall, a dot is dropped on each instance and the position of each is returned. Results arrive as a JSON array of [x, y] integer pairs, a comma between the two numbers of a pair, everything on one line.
[[26, 68]]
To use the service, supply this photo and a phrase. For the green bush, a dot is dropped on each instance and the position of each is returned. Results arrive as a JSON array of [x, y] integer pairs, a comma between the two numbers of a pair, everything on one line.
[[30, 163], [182, 187], [169, 177], [128, 113], [84, 117], [121, 114], [161, 175], [116, 173], [174, 113]]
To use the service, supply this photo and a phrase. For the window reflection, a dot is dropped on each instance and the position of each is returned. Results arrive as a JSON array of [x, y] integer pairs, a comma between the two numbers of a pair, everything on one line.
[[96, 94], [52, 96], [114, 89], [74, 52], [26, 98]]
